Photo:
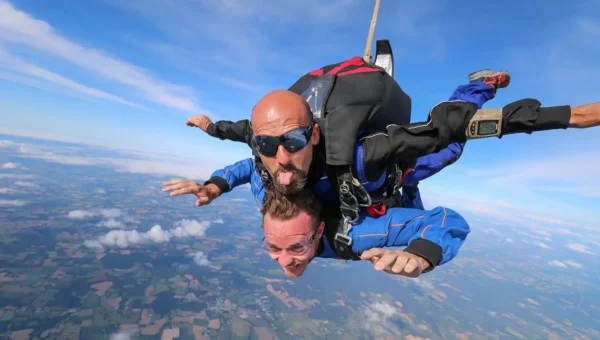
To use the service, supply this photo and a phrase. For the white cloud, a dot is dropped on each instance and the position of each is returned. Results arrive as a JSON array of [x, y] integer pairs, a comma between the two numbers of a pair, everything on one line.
[[111, 223], [18, 65], [80, 214], [9, 165], [558, 264], [13, 203], [21, 176], [565, 264], [123, 335], [156, 234], [116, 238], [18, 27], [573, 263], [219, 221], [580, 248], [110, 213], [185, 228], [200, 258], [26, 184], [378, 316], [192, 25], [238, 200], [6, 191], [130, 161], [542, 245]]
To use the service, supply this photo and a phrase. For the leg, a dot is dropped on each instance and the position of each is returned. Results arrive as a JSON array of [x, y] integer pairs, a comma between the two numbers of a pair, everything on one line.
[[482, 86]]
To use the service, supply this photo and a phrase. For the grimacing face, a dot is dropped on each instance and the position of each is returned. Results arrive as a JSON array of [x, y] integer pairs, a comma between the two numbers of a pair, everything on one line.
[[292, 243], [289, 171], [275, 114]]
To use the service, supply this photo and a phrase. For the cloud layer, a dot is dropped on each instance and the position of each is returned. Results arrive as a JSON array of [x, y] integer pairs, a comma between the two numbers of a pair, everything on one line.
[[18, 27], [126, 161], [126, 238]]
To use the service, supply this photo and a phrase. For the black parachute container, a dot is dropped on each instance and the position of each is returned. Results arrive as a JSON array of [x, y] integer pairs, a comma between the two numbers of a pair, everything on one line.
[[349, 98]]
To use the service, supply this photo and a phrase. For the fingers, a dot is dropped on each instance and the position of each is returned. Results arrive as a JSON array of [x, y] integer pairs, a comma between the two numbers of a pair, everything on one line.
[[185, 191], [202, 200], [173, 181], [193, 121], [373, 252], [400, 264], [412, 268], [394, 262], [182, 187], [386, 261]]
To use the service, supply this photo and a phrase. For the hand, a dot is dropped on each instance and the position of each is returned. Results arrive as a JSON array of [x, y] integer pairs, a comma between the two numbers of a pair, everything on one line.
[[201, 122], [396, 261], [204, 193]]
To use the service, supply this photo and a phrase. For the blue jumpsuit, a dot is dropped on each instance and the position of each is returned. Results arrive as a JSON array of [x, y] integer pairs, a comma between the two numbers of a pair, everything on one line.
[[435, 234]]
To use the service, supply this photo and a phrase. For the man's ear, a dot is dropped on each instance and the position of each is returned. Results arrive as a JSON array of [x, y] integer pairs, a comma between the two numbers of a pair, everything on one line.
[[316, 135], [320, 229]]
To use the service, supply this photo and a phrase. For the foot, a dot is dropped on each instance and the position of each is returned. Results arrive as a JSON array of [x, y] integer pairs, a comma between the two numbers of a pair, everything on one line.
[[494, 79]]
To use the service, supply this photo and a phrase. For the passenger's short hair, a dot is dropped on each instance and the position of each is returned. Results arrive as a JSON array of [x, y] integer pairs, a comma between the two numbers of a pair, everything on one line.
[[285, 207]]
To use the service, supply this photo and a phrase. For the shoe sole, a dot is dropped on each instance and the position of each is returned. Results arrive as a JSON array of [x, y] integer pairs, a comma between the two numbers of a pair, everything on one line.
[[486, 73]]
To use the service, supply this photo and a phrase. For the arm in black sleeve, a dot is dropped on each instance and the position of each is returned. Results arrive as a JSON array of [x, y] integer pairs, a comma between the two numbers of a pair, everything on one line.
[[239, 131], [448, 122]]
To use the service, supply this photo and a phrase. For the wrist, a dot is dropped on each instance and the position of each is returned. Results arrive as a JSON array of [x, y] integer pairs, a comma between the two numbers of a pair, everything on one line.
[[213, 190], [423, 262], [584, 116]]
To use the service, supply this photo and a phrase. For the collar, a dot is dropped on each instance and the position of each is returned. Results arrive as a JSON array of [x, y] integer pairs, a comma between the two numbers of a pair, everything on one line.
[[325, 249]]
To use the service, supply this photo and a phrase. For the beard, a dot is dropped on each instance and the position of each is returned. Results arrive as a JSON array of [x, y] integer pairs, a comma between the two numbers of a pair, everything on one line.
[[297, 183]]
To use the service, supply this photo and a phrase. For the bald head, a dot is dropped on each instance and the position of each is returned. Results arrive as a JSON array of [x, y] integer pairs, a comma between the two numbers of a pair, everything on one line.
[[276, 114], [280, 111]]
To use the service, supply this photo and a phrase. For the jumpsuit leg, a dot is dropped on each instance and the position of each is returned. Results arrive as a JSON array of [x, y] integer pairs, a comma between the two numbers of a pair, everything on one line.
[[476, 92]]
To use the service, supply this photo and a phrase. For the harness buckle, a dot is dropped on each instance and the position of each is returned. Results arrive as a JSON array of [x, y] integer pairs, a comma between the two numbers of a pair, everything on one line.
[[345, 240]]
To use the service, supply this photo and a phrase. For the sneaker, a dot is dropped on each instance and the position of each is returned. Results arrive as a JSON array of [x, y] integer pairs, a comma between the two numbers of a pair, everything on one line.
[[494, 79]]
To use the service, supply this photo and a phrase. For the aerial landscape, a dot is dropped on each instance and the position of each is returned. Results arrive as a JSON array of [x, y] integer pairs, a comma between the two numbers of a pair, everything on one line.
[[489, 113], [91, 251]]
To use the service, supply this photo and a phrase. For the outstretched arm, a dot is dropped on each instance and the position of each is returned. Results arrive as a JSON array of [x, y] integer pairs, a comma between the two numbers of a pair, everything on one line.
[[435, 235], [221, 181], [449, 123], [239, 131], [234, 175]]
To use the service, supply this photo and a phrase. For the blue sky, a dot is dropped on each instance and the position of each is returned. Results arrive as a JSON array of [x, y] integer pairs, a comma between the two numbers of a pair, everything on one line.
[[127, 74]]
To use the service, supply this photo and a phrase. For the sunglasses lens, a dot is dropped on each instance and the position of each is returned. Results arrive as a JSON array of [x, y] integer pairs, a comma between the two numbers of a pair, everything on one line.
[[292, 141], [294, 145], [267, 145]]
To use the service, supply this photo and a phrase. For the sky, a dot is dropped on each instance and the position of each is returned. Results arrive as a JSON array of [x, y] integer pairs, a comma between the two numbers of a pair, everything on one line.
[[127, 74]]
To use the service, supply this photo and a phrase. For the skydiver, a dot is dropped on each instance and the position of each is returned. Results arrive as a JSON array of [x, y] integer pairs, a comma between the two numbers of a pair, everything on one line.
[[297, 229], [448, 123], [376, 177]]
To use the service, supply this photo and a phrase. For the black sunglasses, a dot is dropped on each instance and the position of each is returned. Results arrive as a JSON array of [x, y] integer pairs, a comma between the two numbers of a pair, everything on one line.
[[292, 141]]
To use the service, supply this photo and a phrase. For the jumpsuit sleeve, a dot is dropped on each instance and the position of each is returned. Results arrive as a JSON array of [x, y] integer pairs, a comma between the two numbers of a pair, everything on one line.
[[239, 131], [233, 175], [447, 124], [436, 235]]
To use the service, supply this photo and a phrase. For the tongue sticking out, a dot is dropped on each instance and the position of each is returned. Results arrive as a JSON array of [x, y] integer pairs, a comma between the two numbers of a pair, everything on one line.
[[285, 177]]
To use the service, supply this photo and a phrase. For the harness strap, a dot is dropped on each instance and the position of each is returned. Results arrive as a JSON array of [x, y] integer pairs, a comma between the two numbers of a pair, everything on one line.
[[342, 243]]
